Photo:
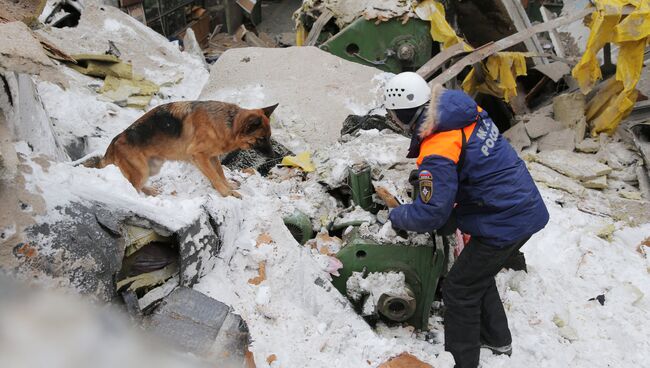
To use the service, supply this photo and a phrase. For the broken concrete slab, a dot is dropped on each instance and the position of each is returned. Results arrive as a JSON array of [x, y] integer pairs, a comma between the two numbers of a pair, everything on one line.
[[20, 51], [588, 145], [563, 140], [626, 174], [539, 125], [632, 212], [574, 165], [162, 63], [569, 108], [517, 137], [67, 250], [316, 90], [597, 183], [553, 179], [580, 130], [193, 322], [27, 117], [199, 247]]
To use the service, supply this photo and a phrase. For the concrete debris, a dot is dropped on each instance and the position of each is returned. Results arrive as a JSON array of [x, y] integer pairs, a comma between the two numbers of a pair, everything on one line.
[[20, 51], [539, 125], [558, 140], [28, 119], [555, 180], [100, 24], [199, 246], [192, 47], [597, 183], [345, 12], [24, 11], [66, 250], [306, 81], [580, 130], [626, 174], [574, 165], [588, 145], [569, 108], [517, 137], [632, 212], [555, 70], [195, 323]]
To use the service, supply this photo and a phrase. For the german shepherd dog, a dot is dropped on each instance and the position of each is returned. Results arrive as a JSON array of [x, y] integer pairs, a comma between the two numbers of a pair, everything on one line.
[[193, 131]]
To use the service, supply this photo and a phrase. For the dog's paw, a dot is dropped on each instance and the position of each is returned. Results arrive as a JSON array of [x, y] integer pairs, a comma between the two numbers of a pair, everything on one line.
[[234, 184], [235, 194], [150, 191]]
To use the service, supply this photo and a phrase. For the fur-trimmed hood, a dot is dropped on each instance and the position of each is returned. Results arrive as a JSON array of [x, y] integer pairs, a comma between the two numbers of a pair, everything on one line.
[[448, 110]]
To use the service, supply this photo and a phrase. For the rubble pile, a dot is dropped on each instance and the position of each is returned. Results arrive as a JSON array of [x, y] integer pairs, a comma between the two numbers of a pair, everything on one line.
[[253, 280], [561, 154]]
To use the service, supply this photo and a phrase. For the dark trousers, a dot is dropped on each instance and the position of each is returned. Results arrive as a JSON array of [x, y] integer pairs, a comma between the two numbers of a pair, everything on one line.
[[473, 310]]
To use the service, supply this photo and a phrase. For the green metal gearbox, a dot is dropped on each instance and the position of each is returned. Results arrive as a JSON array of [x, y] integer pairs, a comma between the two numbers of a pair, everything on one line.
[[390, 46], [422, 267]]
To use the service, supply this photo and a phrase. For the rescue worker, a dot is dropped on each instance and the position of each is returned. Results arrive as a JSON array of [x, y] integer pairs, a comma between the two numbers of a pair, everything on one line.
[[469, 172]]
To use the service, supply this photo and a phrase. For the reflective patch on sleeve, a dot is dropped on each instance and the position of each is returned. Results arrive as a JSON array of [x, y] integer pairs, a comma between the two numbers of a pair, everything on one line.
[[426, 185]]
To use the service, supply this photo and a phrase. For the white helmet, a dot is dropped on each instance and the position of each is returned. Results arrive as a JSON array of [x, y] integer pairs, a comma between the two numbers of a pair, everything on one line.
[[406, 90]]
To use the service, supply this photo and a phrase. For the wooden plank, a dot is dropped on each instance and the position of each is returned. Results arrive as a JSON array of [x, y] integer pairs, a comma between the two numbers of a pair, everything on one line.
[[431, 66], [504, 43], [520, 20], [316, 29], [553, 33]]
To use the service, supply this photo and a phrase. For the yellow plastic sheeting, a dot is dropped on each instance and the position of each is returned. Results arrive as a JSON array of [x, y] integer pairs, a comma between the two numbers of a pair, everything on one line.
[[631, 33], [301, 160], [501, 71], [441, 31]]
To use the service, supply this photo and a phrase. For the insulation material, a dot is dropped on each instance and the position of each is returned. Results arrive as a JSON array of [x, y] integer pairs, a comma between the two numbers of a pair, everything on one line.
[[503, 68], [631, 34]]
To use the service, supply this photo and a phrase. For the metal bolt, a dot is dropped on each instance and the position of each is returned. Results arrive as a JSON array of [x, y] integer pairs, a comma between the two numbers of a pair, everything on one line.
[[406, 52]]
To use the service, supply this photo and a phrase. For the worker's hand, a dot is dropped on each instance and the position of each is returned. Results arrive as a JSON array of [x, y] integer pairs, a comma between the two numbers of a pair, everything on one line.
[[388, 198]]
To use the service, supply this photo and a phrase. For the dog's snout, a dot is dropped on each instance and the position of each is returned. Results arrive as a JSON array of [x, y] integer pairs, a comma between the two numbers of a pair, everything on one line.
[[264, 146]]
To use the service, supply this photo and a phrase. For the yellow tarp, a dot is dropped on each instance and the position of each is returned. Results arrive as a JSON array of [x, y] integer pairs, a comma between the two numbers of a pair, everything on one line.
[[441, 31], [631, 33], [501, 70], [301, 160]]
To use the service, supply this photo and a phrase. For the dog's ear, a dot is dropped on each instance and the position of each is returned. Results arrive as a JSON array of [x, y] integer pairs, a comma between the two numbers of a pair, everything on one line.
[[269, 110], [252, 125]]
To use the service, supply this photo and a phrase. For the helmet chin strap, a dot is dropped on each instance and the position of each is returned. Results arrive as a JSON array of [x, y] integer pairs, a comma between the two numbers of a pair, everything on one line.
[[411, 124]]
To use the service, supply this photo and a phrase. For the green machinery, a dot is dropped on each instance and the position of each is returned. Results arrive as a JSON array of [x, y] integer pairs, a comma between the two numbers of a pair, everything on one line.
[[422, 267], [390, 46]]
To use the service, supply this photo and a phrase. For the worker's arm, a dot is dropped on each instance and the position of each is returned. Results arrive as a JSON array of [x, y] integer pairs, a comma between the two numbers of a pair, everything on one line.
[[429, 211]]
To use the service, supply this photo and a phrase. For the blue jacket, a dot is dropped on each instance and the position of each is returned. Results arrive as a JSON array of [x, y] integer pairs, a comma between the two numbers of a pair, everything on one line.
[[497, 200]]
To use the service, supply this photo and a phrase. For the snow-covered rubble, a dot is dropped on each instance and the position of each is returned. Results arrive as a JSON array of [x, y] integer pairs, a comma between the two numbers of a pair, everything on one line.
[[295, 313]]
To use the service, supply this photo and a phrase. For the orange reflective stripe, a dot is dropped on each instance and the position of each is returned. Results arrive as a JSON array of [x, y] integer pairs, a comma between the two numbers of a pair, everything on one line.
[[446, 144]]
